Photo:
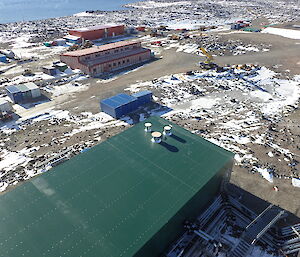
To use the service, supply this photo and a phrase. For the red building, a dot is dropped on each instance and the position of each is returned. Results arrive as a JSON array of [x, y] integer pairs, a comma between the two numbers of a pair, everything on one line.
[[96, 32], [106, 58]]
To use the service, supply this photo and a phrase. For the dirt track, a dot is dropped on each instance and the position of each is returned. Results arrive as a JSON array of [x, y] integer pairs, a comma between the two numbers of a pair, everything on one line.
[[283, 52]]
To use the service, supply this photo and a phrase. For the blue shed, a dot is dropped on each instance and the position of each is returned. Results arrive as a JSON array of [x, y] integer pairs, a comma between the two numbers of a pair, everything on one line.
[[143, 97], [3, 58], [14, 93], [119, 105], [131, 104], [236, 26]]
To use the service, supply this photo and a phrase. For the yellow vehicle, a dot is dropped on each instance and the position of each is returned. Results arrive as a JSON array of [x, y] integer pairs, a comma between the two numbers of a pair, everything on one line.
[[208, 56], [208, 64]]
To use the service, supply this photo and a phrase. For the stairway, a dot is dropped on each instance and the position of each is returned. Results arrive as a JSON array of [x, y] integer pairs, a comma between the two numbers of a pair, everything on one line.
[[256, 229], [241, 249]]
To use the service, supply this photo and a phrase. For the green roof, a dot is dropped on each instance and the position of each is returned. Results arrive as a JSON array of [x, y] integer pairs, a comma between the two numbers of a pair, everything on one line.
[[110, 200]]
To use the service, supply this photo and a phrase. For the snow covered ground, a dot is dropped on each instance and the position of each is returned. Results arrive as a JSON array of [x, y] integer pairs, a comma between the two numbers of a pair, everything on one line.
[[288, 33]]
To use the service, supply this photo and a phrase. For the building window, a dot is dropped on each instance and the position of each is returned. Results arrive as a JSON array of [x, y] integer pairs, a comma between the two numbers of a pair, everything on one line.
[[126, 48], [140, 58], [107, 52], [94, 69], [116, 50], [127, 60], [109, 65], [88, 57], [123, 61], [114, 64], [119, 63]]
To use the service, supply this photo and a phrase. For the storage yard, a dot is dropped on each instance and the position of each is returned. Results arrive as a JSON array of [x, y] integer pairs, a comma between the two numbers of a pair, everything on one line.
[[228, 74]]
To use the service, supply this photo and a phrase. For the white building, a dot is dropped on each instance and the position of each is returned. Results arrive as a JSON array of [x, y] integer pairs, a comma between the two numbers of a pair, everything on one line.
[[4, 106], [34, 89]]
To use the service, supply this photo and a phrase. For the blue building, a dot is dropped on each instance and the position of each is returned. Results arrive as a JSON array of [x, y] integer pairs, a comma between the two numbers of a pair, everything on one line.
[[73, 39], [236, 26], [122, 104], [143, 97], [3, 58]]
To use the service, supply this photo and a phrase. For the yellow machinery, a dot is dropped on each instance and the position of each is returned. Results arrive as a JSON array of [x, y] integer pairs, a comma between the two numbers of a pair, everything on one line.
[[209, 57], [208, 64]]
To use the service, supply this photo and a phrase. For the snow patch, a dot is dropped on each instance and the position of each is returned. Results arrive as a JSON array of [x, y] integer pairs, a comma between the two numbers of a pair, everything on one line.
[[288, 33]]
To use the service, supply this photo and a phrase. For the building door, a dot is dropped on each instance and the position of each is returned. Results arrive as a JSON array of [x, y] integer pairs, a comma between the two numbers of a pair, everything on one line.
[[106, 67]]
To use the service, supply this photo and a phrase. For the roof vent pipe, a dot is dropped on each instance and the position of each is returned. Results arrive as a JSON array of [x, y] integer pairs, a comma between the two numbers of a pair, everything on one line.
[[168, 130], [148, 126], [156, 137]]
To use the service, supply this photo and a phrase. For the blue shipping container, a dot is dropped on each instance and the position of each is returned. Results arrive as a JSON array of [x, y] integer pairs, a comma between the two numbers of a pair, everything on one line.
[[122, 104], [110, 107], [130, 102], [236, 26], [14, 93], [119, 105], [3, 58], [143, 97]]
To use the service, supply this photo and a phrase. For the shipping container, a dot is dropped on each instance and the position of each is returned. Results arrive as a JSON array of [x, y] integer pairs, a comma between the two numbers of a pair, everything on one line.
[[14, 93], [25, 92], [61, 66], [34, 90], [111, 108], [73, 39], [141, 28], [60, 41], [48, 44], [252, 29], [143, 97], [3, 58], [119, 105], [5, 106], [236, 26], [130, 102], [50, 70], [8, 53], [122, 104]]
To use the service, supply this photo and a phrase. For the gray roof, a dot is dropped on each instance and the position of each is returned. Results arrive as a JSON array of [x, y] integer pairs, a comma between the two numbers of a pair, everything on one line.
[[31, 86], [22, 87]]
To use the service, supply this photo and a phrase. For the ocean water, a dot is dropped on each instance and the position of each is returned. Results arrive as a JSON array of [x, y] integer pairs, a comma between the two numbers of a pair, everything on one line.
[[26, 10]]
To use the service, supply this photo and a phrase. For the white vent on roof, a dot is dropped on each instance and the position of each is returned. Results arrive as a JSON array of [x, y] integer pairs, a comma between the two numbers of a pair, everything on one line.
[[156, 137], [148, 126], [168, 130]]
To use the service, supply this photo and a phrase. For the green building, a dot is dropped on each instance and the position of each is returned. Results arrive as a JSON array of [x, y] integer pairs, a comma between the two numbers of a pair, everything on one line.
[[124, 197]]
